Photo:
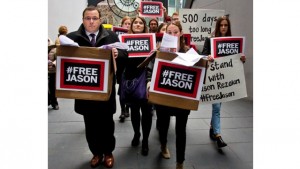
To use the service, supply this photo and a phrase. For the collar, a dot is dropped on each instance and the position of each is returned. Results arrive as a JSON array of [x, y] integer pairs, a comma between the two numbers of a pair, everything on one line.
[[88, 33]]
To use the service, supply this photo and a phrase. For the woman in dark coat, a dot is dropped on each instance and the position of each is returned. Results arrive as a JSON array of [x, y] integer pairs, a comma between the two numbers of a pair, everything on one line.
[[138, 25]]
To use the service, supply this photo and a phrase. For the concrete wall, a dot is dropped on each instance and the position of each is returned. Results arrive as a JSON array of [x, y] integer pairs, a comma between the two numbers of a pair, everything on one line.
[[241, 17], [64, 12]]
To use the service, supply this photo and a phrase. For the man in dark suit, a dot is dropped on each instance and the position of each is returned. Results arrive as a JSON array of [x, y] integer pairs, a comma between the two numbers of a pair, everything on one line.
[[98, 115]]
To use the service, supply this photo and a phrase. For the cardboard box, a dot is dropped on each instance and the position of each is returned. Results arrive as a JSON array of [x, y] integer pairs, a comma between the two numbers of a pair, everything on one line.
[[84, 73], [186, 99]]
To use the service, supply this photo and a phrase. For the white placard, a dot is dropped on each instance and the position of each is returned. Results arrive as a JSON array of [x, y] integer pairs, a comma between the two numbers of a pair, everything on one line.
[[200, 23], [225, 80]]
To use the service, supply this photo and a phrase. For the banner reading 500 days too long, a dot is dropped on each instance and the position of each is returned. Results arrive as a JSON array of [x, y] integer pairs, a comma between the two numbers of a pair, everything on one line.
[[200, 23]]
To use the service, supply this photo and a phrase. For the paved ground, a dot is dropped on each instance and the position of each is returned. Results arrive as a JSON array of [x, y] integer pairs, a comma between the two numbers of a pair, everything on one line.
[[68, 149]]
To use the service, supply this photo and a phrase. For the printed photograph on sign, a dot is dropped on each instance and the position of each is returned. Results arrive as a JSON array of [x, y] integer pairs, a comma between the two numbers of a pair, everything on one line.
[[139, 45], [177, 80], [119, 30], [151, 9], [224, 46], [82, 74]]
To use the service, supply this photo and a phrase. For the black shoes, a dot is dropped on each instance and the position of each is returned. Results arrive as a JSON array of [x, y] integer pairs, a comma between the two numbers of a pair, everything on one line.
[[220, 142], [122, 117], [136, 140], [124, 114], [218, 139], [126, 111], [145, 148], [55, 107]]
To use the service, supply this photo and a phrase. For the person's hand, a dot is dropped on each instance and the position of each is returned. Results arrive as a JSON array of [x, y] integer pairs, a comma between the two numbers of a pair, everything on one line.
[[243, 58], [114, 52], [50, 64], [158, 45], [210, 58]]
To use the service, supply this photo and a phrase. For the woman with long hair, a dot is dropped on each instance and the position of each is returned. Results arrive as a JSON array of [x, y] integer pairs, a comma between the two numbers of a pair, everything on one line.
[[138, 26], [222, 29], [164, 113]]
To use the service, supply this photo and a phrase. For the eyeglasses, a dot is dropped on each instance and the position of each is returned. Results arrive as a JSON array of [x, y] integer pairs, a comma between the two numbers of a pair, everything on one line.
[[88, 18]]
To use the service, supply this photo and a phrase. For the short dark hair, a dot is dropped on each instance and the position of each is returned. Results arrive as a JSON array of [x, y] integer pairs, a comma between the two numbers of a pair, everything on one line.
[[153, 20], [91, 8]]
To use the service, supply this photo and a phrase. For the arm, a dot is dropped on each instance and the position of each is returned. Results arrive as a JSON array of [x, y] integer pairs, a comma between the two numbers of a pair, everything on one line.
[[149, 74], [206, 50], [206, 47], [120, 56], [121, 61]]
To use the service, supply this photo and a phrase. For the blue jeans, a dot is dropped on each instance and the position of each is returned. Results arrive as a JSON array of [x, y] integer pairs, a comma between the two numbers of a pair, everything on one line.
[[215, 118]]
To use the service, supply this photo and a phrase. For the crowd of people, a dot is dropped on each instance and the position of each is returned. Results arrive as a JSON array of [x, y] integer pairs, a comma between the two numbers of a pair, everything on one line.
[[98, 115]]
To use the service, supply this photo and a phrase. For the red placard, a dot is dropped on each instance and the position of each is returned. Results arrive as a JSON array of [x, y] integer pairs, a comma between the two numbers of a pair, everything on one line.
[[179, 80], [224, 46], [119, 30], [82, 74], [151, 9], [139, 45], [187, 38]]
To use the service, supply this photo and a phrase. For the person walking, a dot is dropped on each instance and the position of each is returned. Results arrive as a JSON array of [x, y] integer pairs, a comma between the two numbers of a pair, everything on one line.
[[164, 113], [222, 29], [98, 115], [138, 26]]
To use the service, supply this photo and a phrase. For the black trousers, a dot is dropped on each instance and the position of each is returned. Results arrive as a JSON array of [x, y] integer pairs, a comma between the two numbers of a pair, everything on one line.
[[51, 93], [99, 130], [146, 119], [122, 104], [163, 115]]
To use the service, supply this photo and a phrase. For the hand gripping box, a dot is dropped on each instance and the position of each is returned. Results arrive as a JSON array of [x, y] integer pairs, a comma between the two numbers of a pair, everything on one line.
[[84, 73], [176, 85]]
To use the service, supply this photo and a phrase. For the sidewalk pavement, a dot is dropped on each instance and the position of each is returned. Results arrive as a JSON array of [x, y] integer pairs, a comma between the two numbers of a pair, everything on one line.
[[68, 149]]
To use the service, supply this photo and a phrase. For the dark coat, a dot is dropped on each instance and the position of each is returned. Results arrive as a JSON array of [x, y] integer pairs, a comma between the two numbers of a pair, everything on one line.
[[104, 37], [206, 48]]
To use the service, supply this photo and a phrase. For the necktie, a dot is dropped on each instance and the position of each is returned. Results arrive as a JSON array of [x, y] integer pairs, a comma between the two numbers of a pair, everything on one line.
[[93, 41]]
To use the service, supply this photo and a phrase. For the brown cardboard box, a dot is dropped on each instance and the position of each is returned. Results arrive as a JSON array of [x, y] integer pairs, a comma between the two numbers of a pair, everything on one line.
[[173, 101], [86, 52]]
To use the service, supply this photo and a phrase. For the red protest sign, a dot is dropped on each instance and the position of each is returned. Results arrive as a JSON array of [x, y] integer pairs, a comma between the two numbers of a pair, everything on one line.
[[151, 9], [224, 46], [119, 30], [177, 80], [139, 45], [82, 75]]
